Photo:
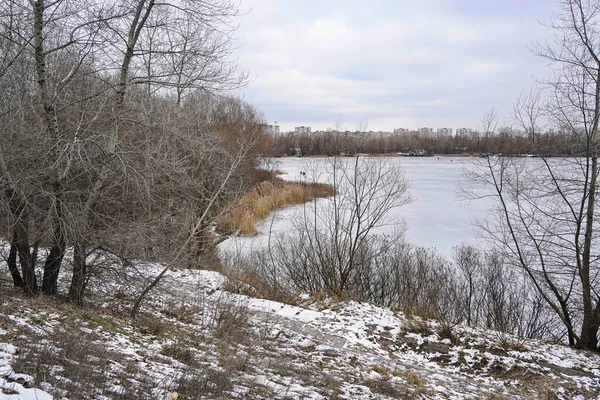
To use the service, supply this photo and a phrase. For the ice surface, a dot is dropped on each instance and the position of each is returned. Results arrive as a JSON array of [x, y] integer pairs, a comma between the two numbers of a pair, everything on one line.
[[438, 216]]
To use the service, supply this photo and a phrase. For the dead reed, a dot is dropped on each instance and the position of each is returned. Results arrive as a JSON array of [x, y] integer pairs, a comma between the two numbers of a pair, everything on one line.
[[266, 197]]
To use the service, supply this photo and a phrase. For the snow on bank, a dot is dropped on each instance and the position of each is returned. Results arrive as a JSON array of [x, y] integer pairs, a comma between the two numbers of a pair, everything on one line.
[[352, 341], [317, 349], [13, 385]]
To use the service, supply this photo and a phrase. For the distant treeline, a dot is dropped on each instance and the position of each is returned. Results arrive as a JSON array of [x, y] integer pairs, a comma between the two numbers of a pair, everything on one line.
[[342, 143]]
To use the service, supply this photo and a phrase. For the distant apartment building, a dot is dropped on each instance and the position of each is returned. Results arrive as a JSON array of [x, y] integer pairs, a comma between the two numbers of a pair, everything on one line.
[[302, 129], [505, 132], [401, 130], [425, 130], [463, 131], [271, 129], [382, 134], [444, 131]]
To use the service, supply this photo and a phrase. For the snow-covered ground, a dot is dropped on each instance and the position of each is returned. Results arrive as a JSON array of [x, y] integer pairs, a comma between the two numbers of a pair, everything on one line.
[[15, 386], [438, 217], [204, 336]]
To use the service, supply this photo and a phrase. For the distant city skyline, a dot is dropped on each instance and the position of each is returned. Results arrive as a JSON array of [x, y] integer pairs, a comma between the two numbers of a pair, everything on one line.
[[386, 64], [275, 128]]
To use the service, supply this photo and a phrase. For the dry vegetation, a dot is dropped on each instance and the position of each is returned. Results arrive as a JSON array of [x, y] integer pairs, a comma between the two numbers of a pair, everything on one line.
[[266, 197], [196, 339]]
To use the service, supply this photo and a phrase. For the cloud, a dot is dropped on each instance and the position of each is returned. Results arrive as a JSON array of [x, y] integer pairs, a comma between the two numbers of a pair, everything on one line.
[[480, 67], [386, 60], [461, 33], [329, 32]]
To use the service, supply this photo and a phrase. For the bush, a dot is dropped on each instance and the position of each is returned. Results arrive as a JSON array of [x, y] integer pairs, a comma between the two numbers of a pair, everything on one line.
[[392, 273]]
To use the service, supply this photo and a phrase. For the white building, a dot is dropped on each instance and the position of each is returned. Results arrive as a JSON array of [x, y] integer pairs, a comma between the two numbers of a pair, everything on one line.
[[425, 130], [302, 129], [401, 130], [463, 131], [444, 131], [272, 129]]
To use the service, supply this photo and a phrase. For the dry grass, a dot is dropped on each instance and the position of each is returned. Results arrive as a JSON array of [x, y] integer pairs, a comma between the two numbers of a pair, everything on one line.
[[266, 197], [413, 379]]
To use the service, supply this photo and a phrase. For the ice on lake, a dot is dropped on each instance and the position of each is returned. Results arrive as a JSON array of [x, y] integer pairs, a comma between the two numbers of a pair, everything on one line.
[[438, 217]]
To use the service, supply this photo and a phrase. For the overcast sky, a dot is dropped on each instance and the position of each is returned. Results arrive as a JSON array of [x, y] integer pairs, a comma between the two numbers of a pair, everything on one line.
[[389, 63]]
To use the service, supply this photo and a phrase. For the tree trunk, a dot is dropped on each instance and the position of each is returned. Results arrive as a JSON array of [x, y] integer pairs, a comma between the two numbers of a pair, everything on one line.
[[147, 289], [12, 266], [589, 332], [21, 241], [52, 268], [56, 255], [591, 319], [79, 274]]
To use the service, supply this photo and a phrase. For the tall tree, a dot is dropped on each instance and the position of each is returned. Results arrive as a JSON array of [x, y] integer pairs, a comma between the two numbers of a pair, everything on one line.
[[546, 221]]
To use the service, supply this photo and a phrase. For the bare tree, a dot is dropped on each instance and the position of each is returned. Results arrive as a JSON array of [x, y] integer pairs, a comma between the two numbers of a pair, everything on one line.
[[546, 221], [109, 83], [67, 36], [469, 264], [333, 241], [137, 65], [489, 123]]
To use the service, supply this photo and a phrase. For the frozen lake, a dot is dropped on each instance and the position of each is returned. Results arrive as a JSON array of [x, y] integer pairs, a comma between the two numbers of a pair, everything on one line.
[[438, 216]]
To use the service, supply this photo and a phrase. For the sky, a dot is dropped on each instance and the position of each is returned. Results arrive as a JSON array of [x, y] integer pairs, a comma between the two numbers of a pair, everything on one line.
[[385, 64]]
